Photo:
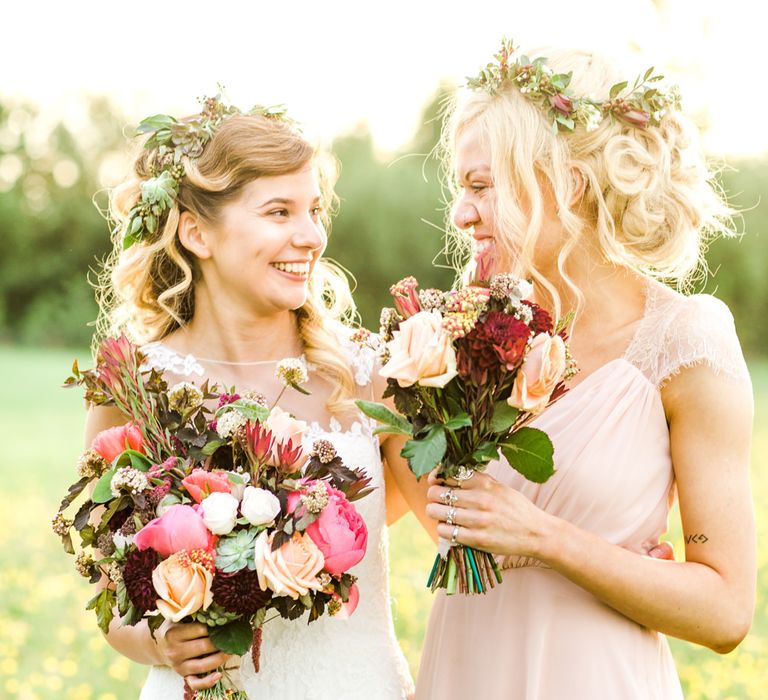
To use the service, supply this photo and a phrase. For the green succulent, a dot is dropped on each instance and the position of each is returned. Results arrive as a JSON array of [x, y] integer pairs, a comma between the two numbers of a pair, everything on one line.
[[237, 551]]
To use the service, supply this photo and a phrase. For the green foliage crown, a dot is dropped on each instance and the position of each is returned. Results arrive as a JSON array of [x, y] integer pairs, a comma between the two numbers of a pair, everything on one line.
[[644, 103], [171, 140]]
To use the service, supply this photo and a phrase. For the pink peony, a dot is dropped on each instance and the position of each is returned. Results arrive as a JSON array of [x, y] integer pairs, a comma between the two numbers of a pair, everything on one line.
[[339, 533], [112, 442], [201, 483], [180, 527]]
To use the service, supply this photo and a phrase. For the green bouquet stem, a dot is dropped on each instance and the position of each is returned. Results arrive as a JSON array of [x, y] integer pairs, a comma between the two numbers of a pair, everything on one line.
[[464, 570]]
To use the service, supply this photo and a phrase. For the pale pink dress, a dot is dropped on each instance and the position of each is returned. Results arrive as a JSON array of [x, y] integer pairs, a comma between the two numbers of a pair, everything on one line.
[[538, 636]]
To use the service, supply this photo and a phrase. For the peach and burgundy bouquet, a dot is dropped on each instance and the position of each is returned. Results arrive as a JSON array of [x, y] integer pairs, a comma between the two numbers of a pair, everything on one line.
[[468, 370], [204, 507]]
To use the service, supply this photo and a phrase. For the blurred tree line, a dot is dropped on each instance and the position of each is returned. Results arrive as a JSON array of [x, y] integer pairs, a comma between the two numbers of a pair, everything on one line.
[[389, 223]]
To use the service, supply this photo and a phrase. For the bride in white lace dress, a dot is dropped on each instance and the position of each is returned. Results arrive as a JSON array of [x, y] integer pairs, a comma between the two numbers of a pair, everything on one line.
[[230, 282]]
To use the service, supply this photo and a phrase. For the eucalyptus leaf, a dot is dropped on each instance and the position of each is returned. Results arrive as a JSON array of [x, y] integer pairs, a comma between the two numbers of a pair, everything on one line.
[[530, 452]]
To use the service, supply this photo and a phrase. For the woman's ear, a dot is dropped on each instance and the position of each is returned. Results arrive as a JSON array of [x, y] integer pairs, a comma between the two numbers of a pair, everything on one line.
[[579, 186], [192, 236]]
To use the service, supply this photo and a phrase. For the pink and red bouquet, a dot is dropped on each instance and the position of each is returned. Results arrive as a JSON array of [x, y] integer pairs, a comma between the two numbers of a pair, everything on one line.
[[468, 370], [204, 507]]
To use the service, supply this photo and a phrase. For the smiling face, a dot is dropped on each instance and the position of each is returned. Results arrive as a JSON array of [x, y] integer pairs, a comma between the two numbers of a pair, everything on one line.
[[260, 253], [474, 212], [477, 212]]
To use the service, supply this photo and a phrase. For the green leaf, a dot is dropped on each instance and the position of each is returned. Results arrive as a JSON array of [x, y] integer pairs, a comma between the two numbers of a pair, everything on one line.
[[138, 460], [616, 89], [251, 410], [504, 417], [463, 420], [232, 638], [486, 452], [210, 447], [530, 451], [102, 603], [103, 491], [426, 453], [393, 423], [155, 122]]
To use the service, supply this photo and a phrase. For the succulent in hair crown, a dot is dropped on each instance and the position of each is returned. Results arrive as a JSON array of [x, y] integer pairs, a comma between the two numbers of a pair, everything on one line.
[[170, 140], [642, 104]]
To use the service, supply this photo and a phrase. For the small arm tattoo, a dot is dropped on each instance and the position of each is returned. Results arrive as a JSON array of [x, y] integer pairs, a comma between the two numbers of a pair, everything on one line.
[[698, 538]]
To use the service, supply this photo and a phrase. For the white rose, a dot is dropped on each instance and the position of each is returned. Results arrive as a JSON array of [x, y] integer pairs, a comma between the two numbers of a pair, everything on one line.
[[219, 512], [259, 506]]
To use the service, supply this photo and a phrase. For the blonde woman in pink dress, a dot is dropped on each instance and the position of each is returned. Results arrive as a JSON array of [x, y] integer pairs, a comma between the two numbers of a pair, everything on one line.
[[593, 212]]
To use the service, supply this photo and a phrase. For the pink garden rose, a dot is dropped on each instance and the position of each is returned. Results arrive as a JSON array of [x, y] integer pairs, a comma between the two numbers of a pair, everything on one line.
[[201, 483], [180, 527], [340, 532], [111, 442], [421, 352], [542, 369]]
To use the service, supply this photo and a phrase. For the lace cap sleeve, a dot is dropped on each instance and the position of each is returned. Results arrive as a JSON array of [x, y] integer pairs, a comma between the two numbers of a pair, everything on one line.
[[361, 359], [700, 330], [163, 359]]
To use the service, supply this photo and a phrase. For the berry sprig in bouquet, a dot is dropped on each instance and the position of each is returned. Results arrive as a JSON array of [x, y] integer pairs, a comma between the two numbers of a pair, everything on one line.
[[468, 370], [204, 507]]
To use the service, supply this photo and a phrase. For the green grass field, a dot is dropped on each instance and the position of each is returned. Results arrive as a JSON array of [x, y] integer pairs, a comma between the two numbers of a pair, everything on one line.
[[50, 647]]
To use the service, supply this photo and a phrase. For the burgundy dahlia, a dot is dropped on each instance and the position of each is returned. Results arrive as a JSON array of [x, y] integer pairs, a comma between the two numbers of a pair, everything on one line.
[[137, 574], [497, 341], [239, 592], [542, 321]]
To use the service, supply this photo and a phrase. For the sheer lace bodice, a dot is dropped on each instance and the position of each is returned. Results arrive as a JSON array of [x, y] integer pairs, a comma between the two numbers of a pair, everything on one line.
[[678, 331], [330, 658]]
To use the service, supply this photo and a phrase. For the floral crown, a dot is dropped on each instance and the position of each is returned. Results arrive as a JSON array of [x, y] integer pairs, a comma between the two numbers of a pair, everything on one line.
[[171, 140], [640, 105]]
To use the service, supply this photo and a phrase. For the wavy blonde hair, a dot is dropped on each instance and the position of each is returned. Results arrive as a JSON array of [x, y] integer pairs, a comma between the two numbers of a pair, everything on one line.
[[651, 202], [148, 290]]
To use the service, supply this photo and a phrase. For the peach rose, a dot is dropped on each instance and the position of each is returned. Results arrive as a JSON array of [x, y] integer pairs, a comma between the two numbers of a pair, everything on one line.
[[542, 369], [421, 352], [291, 569], [284, 426], [184, 587]]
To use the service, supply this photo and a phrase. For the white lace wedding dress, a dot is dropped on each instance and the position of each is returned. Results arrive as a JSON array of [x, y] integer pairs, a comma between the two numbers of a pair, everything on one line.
[[330, 658]]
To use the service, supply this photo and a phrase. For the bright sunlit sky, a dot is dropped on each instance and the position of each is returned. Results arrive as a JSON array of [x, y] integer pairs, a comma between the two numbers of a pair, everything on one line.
[[337, 63]]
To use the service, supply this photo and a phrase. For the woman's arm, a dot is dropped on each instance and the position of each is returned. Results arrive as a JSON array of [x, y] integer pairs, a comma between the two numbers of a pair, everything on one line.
[[707, 599], [403, 490], [186, 648]]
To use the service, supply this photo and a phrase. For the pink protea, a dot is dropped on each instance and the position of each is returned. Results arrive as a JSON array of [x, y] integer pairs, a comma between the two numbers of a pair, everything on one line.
[[259, 442], [287, 454]]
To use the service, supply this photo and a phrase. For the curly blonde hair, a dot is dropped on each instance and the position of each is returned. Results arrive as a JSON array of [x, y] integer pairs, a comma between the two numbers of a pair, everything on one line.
[[148, 290], [651, 201]]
